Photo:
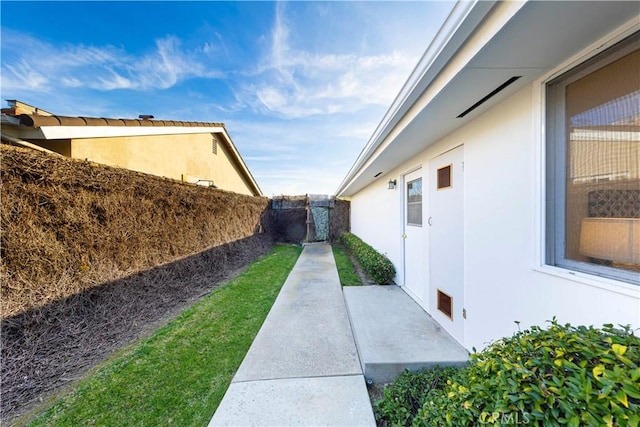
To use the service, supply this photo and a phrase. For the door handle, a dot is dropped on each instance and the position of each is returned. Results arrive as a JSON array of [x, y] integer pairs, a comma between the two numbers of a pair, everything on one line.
[[429, 222], [404, 236]]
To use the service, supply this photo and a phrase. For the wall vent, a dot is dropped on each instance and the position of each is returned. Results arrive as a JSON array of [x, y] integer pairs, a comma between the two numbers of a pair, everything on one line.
[[488, 96], [214, 145], [445, 304]]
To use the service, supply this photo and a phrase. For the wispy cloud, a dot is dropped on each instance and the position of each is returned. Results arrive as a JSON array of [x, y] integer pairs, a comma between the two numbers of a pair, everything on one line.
[[31, 64], [296, 83], [300, 92]]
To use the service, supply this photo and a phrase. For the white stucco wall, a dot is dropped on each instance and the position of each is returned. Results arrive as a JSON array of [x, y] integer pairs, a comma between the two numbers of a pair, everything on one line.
[[505, 280], [377, 219]]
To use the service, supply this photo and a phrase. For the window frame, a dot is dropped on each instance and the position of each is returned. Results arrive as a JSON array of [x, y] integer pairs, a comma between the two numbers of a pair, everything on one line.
[[554, 158]]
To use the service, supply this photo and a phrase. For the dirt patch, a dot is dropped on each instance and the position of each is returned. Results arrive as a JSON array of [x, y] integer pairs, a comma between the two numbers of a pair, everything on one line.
[[376, 392], [49, 346]]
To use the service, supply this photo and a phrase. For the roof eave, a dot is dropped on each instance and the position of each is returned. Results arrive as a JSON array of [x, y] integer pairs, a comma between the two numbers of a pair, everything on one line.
[[508, 43], [460, 23], [243, 166]]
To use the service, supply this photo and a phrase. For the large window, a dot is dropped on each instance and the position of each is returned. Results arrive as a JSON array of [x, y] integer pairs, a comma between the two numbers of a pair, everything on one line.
[[593, 165]]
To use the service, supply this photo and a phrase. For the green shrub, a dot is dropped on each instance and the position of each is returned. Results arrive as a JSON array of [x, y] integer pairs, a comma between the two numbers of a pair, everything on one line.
[[374, 263], [569, 375], [403, 399]]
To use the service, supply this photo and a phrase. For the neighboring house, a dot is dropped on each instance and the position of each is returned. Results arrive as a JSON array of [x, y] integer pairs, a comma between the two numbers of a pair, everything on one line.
[[513, 158], [195, 152]]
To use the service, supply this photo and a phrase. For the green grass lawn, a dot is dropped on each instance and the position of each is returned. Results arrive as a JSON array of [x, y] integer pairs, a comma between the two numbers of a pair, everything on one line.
[[346, 271], [179, 375]]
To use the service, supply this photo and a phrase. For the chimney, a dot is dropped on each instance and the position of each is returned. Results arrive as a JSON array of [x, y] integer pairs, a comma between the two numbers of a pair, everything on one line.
[[18, 107]]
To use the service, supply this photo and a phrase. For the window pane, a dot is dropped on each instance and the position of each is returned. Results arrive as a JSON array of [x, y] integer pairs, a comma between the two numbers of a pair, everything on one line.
[[414, 202], [603, 165], [414, 191]]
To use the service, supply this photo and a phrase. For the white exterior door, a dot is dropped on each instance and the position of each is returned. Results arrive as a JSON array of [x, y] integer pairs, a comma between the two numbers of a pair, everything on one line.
[[414, 238], [446, 241]]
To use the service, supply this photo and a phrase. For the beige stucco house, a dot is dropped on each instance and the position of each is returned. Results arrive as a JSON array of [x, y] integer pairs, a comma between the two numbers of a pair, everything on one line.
[[196, 152]]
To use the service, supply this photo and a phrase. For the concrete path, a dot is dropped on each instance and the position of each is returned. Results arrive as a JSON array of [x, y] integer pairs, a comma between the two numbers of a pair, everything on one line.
[[394, 333], [303, 367]]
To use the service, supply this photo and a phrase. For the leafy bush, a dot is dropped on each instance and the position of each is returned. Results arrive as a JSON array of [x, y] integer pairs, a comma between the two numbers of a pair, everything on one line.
[[562, 375], [403, 399], [374, 263]]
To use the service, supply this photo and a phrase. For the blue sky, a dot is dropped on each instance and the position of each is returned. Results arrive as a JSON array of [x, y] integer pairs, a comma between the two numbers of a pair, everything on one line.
[[300, 86]]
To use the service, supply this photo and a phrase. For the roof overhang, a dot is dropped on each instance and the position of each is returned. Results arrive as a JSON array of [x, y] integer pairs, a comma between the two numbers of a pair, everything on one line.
[[480, 47], [253, 184]]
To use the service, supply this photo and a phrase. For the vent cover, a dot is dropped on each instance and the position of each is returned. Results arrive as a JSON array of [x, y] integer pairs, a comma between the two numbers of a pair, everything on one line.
[[444, 177], [445, 304], [489, 96]]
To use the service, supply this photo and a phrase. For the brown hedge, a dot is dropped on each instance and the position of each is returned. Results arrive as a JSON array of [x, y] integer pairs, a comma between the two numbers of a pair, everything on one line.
[[70, 225]]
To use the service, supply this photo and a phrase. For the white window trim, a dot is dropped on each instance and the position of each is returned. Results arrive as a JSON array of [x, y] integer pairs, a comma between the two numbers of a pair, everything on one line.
[[539, 155]]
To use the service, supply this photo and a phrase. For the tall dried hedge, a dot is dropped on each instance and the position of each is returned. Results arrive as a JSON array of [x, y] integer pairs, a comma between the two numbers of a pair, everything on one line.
[[69, 225], [93, 257]]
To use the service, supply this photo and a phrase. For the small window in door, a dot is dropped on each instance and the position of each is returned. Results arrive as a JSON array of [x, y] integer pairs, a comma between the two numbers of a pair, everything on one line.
[[414, 202], [444, 177]]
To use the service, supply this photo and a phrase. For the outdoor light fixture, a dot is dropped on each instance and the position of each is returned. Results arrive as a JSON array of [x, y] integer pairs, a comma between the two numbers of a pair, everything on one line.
[[392, 184]]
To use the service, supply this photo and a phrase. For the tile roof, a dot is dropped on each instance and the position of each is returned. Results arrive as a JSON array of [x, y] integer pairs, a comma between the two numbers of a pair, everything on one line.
[[37, 120]]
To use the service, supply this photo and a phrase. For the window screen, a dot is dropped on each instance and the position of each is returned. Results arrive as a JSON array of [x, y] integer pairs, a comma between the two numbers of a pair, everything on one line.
[[594, 165], [414, 202]]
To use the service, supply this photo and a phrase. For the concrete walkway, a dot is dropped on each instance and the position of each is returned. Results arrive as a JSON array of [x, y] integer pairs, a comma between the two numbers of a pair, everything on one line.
[[394, 333], [303, 367]]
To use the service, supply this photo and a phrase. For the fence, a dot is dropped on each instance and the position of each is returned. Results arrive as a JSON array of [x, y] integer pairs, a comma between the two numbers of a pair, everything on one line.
[[309, 218]]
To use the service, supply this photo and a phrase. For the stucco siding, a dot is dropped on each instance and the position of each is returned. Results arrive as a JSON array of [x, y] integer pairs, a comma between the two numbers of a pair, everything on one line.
[[504, 280], [375, 218], [182, 157], [60, 146]]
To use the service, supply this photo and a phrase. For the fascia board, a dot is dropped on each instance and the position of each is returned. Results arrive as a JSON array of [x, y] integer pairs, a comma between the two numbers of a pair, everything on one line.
[[236, 155], [75, 132], [460, 23]]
